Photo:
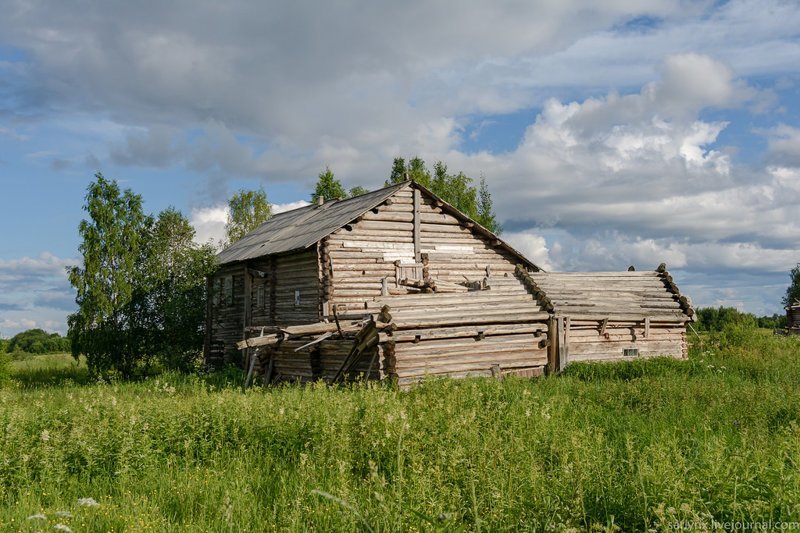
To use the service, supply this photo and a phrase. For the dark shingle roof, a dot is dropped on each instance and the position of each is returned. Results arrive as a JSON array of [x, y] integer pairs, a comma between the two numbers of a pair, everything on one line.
[[300, 228]]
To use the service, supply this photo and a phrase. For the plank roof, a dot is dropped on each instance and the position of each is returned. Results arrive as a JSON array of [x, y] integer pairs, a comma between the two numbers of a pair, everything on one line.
[[300, 228], [615, 295]]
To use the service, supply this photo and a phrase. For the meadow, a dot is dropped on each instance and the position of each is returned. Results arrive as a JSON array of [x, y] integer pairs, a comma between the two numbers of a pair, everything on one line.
[[630, 446]]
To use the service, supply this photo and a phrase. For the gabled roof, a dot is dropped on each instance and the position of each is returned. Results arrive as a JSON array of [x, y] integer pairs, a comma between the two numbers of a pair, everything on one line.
[[615, 295], [300, 228]]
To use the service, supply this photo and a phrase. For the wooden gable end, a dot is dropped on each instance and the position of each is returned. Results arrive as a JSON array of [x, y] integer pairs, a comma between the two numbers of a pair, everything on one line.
[[409, 236]]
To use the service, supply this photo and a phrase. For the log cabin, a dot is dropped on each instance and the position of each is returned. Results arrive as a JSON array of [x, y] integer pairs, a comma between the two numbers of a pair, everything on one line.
[[793, 318], [398, 284]]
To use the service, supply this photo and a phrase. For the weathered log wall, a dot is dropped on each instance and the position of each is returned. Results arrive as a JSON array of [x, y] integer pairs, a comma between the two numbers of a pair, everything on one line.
[[481, 333], [363, 257], [226, 316], [793, 319], [322, 361], [586, 343], [285, 289], [614, 315]]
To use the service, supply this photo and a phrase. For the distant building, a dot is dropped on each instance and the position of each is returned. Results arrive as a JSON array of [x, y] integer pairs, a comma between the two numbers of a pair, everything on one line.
[[793, 318]]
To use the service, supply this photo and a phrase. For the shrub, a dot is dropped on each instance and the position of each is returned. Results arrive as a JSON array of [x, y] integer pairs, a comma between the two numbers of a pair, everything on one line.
[[5, 370]]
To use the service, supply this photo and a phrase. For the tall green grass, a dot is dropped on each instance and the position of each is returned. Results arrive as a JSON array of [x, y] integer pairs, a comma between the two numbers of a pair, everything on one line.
[[629, 446]]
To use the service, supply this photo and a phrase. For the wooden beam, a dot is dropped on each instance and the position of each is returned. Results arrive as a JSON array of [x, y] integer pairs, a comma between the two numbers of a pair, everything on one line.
[[417, 201], [552, 353], [207, 337], [247, 312]]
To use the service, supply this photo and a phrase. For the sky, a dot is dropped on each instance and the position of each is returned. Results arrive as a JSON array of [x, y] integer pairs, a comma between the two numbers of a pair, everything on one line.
[[610, 133]]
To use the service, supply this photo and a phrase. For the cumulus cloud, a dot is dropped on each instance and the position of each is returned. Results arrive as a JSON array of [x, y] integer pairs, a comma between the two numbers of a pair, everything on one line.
[[36, 293], [209, 222], [784, 145], [635, 173], [533, 246]]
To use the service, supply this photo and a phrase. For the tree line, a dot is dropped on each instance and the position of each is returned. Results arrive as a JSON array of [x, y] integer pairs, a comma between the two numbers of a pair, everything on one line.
[[35, 341]]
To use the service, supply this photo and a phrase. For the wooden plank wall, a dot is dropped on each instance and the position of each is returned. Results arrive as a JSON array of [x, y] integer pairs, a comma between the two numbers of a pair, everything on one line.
[[364, 253], [482, 333], [455, 253], [321, 361], [285, 275], [587, 344], [227, 321]]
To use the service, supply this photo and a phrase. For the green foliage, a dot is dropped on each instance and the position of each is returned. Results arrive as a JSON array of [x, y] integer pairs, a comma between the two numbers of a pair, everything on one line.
[[631, 447], [455, 189], [717, 319], [246, 211], [174, 293], [104, 327], [486, 216], [153, 313], [775, 321], [793, 290], [414, 170], [5, 370], [328, 187], [358, 190], [37, 341], [398, 173]]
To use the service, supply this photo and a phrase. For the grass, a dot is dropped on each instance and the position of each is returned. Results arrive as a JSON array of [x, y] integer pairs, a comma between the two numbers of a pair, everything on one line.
[[633, 446]]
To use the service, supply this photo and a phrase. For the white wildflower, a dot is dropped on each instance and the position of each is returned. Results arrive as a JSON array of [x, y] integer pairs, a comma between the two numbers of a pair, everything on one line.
[[88, 502], [37, 516], [62, 527], [64, 514], [45, 436]]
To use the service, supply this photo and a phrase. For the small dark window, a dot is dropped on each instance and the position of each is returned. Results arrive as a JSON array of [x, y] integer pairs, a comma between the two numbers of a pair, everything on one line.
[[260, 296], [216, 288], [297, 298], [630, 352], [227, 290]]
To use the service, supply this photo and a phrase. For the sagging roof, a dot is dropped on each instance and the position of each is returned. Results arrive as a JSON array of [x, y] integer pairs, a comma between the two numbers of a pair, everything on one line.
[[614, 295], [300, 228]]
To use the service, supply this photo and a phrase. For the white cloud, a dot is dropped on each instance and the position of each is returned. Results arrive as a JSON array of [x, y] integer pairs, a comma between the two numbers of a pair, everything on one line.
[[34, 292], [281, 208], [619, 164], [532, 246], [209, 222], [784, 145]]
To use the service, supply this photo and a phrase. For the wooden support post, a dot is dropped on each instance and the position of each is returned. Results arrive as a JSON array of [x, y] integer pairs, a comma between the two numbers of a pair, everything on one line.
[[384, 286], [563, 349], [207, 337], [552, 350], [646, 327], [273, 282], [247, 312], [417, 202]]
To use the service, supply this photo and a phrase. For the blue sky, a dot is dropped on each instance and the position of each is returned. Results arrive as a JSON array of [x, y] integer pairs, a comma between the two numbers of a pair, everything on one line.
[[634, 132]]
